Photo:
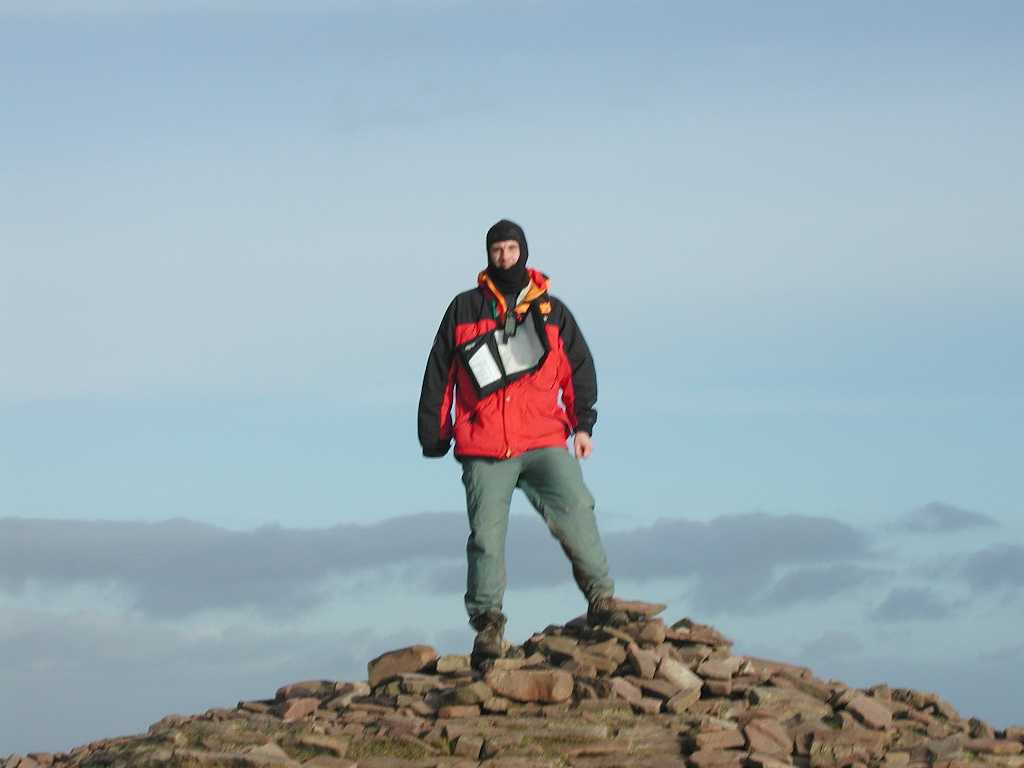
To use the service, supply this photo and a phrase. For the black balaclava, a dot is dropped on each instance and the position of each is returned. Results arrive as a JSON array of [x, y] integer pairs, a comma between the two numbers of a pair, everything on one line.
[[512, 280]]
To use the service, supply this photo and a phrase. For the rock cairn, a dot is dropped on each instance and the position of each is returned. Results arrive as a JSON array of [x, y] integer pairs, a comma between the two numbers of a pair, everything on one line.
[[646, 695]]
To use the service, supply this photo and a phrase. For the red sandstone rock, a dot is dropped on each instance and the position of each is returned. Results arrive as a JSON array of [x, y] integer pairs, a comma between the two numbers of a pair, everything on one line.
[[610, 649], [653, 632], [453, 664], [717, 758], [459, 710], [558, 647], [527, 685], [729, 738], [994, 746], [718, 687], [870, 711], [602, 664], [305, 689], [663, 689], [715, 669], [495, 705], [640, 608], [682, 701], [647, 705], [294, 709], [765, 760], [578, 668], [678, 674], [626, 689], [468, 746], [325, 761], [767, 736], [411, 659], [644, 663]]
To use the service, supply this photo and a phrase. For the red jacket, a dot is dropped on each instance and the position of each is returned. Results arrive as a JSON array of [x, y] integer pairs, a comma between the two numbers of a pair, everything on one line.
[[524, 414]]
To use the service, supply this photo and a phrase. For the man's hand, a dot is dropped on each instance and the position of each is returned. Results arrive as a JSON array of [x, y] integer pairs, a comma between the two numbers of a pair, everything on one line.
[[582, 445]]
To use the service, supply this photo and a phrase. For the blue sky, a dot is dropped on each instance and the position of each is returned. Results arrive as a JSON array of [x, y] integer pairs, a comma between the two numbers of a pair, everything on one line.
[[790, 233]]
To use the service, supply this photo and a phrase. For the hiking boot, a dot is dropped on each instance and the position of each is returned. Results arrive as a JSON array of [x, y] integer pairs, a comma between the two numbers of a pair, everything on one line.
[[489, 627], [606, 611]]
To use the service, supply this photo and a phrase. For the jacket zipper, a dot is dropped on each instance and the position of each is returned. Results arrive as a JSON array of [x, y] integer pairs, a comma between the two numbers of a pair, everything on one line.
[[504, 414]]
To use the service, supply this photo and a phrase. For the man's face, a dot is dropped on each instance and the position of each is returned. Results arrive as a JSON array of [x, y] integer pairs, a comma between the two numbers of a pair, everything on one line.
[[504, 253]]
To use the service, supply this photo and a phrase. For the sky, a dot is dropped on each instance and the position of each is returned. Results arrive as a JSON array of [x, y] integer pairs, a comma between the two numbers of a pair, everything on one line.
[[228, 231]]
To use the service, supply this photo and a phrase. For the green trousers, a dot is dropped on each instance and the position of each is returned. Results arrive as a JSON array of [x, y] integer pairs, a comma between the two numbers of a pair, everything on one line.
[[552, 481]]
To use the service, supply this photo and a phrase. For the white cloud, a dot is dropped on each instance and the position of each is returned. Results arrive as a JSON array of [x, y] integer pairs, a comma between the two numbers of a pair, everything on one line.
[[998, 566], [940, 517], [913, 604], [179, 567]]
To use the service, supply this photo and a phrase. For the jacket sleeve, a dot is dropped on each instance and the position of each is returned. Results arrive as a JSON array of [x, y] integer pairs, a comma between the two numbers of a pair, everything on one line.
[[579, 379], [434, 420]]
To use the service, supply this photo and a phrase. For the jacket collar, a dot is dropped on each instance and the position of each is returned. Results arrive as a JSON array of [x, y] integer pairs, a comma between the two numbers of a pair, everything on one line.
[[537, 287]]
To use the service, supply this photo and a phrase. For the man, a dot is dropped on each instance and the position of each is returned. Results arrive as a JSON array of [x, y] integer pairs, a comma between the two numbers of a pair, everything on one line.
[[503, 353]]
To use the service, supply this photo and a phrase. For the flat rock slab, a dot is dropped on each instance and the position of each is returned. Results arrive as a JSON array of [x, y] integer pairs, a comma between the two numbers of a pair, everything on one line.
[[729, 738], [994, 746], [459, 710], [626, 690], [305, 689], [270, 752], [762, 760], [644, 663], [784, 703], [474, 693], [702, 633], [678, 674], [294, 709], [198, 757], [393, 663], [345, 692], [610, 649], [639, 607], [529, 685], [871, 712], [717, 758], [578, 668], [632, 761], [395, 762], [558, 646], [601, 664], [318, 741], [720, 688], [648, 705], [718, 669], [767, 736], [682, 701], [468, 746], [495, 705], [652, 633], [663, 689], [453, 664], [323, 761]]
